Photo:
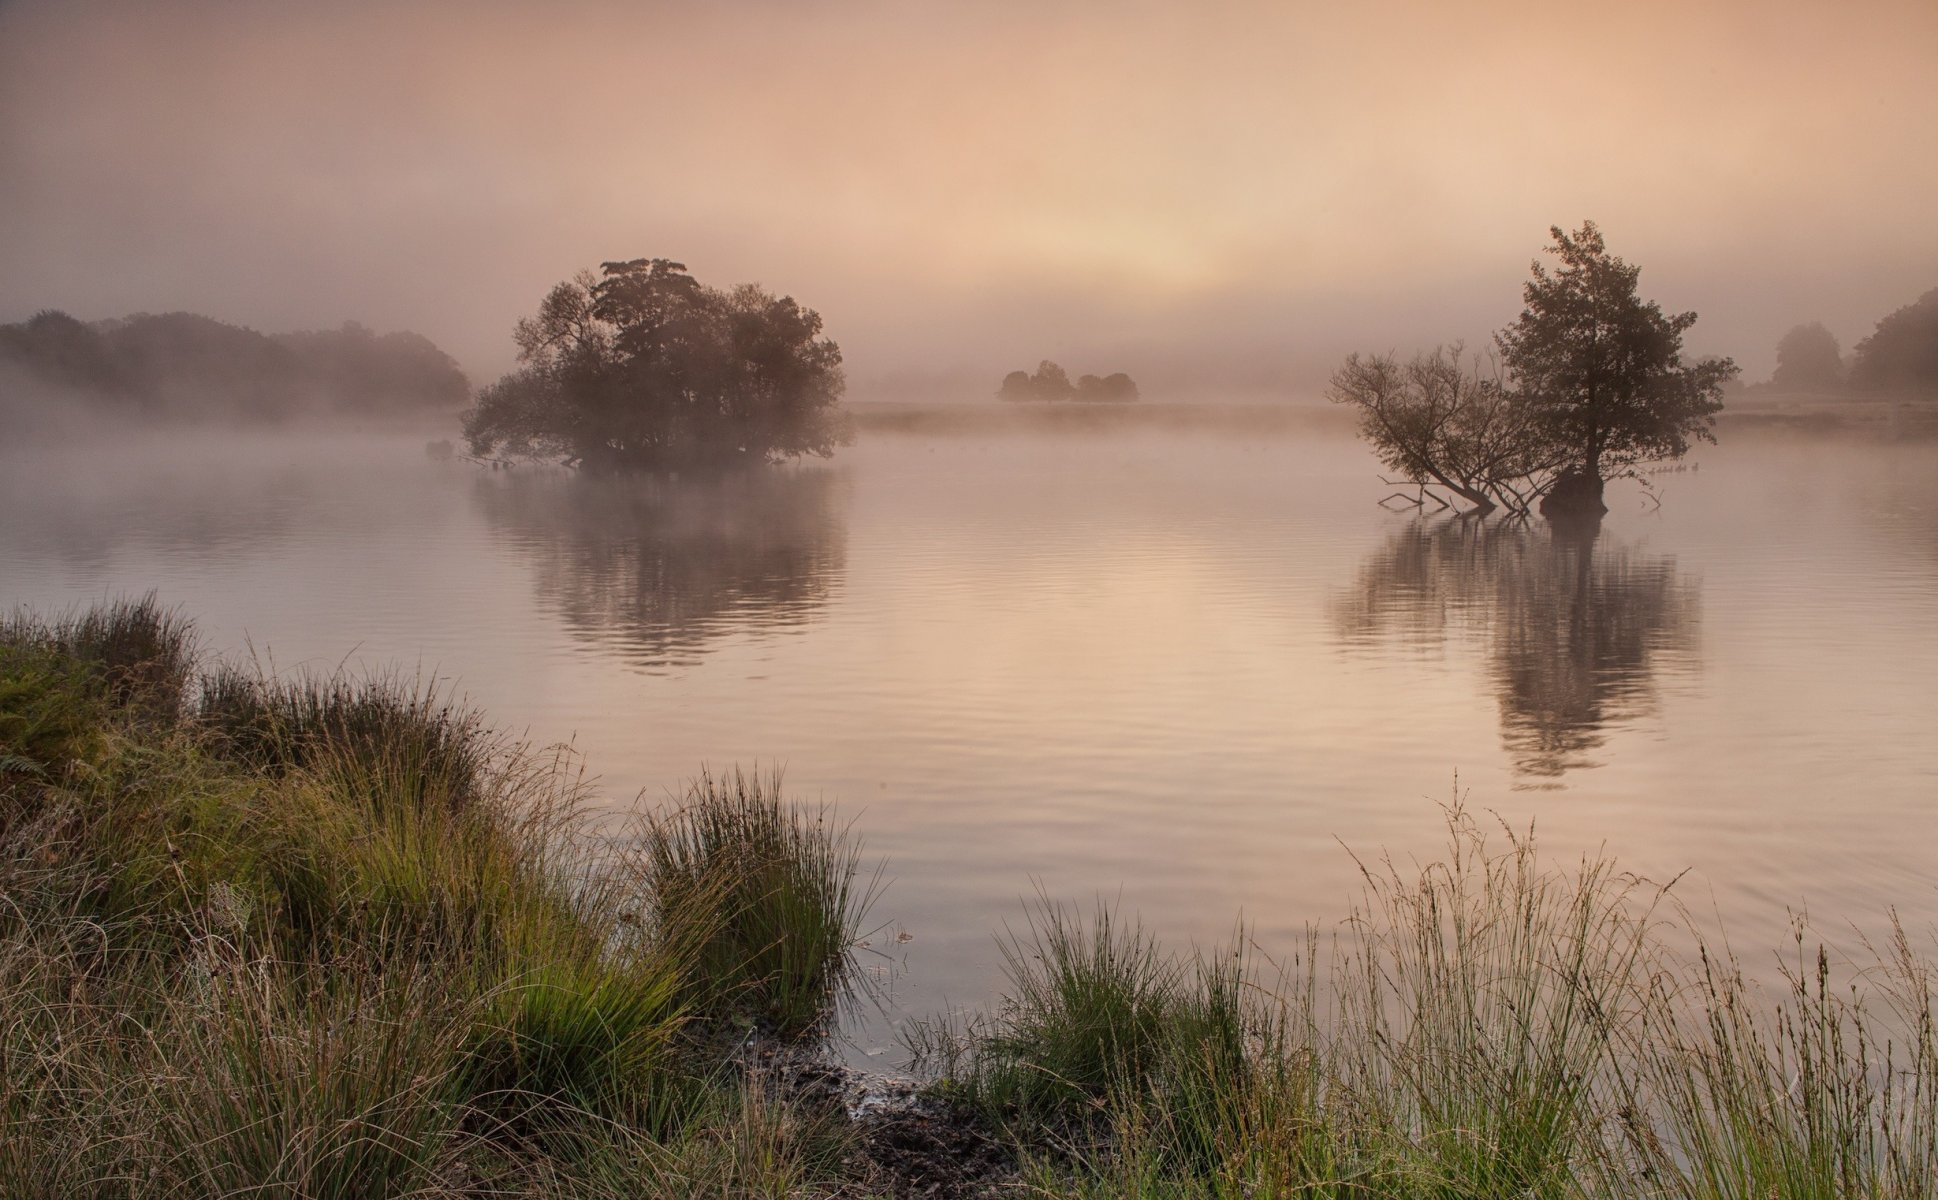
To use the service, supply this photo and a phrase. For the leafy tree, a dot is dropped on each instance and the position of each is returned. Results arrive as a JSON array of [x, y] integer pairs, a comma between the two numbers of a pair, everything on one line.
[[1809, 359], [1016, 386], [1051, 382], [1110, 388], [1902, 352], [1601, 369], [642, 366], [1593, 387]]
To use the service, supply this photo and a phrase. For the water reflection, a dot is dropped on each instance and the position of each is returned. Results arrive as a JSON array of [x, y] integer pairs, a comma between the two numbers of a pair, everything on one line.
[[1577, 624], [657, 568]]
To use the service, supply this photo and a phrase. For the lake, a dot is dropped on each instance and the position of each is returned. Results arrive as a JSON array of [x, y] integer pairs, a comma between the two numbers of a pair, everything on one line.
[[1188, 666]]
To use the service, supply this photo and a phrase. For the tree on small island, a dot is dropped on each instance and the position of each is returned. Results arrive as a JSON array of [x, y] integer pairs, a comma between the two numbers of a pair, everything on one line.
[[1051, 382], [1591, 386], [644, 367]]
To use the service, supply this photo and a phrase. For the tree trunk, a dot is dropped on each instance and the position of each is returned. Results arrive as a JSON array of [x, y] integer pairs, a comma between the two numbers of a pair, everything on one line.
[[1575, 495]]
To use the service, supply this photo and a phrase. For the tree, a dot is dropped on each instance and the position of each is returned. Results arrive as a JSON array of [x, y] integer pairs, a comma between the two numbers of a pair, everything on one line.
[[1601, 372], [1108, 389], [1592, 386], [1809, 360], [642, 366], [1016, 386], [1903, 351], [1434, 421], [1051, 382]]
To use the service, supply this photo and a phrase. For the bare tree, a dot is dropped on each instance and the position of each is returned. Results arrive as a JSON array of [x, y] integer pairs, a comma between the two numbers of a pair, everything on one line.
[[1441, 423]]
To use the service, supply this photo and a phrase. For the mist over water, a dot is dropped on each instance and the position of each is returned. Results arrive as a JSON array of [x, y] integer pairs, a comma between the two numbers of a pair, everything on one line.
[[1181, 667]]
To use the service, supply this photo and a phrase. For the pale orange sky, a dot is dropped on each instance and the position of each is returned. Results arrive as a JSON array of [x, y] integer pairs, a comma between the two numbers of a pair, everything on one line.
[[1234, 192]]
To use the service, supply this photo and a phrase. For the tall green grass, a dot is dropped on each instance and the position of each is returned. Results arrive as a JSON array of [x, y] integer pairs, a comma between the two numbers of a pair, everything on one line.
[[62, 680], [1485, 1026], [412, 733], [768, 898], [325, 937], [1828, 1088]]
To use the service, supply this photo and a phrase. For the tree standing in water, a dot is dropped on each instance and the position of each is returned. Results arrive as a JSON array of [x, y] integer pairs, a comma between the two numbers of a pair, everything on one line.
[[1600, 371], [1590, 386], [644, 367]]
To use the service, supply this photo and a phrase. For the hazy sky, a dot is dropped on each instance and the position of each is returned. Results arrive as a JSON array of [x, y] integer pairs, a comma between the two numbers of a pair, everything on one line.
[[1233, 191]]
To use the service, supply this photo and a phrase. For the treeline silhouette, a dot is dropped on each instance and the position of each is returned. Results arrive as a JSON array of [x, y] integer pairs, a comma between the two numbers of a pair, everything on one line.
[[1899, 357], [182, 364], [1052, 382]]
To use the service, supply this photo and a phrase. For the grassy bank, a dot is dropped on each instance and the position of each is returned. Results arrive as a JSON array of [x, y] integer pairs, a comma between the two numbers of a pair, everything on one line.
[[328, 938], [333, 938]]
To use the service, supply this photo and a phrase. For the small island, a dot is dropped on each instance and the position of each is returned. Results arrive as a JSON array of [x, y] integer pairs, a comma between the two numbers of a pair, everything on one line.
[[1051, 382]]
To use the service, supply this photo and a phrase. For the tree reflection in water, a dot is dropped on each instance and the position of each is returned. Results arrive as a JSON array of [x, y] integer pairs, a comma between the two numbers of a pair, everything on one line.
[[660, 566], [1577, 625]]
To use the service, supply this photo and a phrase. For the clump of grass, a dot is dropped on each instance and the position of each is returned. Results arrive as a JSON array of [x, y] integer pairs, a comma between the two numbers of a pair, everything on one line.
[[138, 653], [63, 680], [767, 897], [1830, 1091], [742, 1142], [1473, 1011], [380, 724], [1479, 1002], [1087, 1014], [288, 1081], [1123, 1068], [231, 875]]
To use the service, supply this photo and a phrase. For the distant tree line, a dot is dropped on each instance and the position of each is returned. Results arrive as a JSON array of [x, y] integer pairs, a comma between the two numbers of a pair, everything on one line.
[[182, 364], [1899, 356], [1052, 382]]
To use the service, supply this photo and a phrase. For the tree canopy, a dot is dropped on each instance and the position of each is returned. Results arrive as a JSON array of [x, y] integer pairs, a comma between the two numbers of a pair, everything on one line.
[[1590, 386], [643, 366], [1809, 360], [1601, 368], [1902, 352]]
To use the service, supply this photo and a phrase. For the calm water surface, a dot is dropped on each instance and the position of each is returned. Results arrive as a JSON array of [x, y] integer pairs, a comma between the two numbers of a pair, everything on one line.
[[1184, 670]]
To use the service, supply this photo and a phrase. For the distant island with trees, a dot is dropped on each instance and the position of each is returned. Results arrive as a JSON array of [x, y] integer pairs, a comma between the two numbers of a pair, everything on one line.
[[643, 367], [184, 365], [1051, 383]]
